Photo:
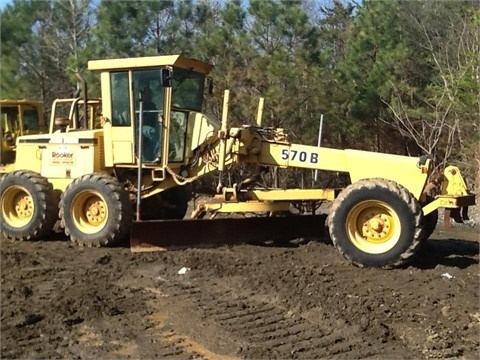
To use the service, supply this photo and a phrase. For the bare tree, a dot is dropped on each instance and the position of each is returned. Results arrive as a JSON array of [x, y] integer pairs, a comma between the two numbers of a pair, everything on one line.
[[443, 118]]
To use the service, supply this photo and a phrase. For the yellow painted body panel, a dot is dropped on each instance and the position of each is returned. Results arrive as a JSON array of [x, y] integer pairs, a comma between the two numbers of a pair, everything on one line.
[[404, 170], [450, 202], [292, 194], [232, 194], [359, 164], [61, 157], [241, 207], [454, 183], [261, 200], [303, 156], [200, 129], [29, 156], [107, 113], [123, 152]]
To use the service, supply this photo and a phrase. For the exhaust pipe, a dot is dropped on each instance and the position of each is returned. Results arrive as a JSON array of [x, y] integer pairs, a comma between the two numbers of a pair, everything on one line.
[[85, 95]]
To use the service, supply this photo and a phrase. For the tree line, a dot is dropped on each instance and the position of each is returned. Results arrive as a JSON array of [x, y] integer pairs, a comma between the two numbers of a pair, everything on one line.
[[392, 76]]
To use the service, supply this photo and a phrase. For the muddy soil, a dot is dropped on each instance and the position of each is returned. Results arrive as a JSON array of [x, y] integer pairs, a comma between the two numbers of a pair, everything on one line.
[[299, 300]]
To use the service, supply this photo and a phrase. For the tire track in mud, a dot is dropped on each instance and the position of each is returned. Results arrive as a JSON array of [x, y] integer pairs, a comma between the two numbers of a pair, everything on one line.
[[259, 327], [171, 344]]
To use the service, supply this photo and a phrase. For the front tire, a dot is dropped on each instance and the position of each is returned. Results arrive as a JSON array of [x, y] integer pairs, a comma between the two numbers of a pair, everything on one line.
[[376, 223], [95, 211], [28, 204], [429, 224]]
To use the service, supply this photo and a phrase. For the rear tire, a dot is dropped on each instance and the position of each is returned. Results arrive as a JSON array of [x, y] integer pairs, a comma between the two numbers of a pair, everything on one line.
[[95, 211], [376, 223], [28, 205]]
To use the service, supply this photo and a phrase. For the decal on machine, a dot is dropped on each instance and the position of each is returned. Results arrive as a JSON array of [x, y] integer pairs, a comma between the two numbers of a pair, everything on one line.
[[62, 156], [302, 156]]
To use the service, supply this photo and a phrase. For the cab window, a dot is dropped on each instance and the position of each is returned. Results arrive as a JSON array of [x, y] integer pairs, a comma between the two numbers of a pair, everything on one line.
[[178, 130], [30, 120], [187, 89], [120, 100]]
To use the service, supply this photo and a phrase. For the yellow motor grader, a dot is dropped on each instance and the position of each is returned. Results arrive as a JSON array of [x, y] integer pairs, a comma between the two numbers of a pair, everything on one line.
[[132, 174], [25, 117], [18, 117]]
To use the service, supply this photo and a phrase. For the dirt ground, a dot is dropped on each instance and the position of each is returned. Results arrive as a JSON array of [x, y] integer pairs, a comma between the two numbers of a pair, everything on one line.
[[249, 301]]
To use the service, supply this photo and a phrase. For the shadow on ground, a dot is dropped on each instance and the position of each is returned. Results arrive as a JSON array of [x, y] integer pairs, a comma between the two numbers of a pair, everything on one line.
[[448, 252]]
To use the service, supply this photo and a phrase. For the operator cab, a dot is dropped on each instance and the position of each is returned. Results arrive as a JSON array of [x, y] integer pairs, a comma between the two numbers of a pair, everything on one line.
[[170, 89], [21, 116], [17, 118], [150, 88]]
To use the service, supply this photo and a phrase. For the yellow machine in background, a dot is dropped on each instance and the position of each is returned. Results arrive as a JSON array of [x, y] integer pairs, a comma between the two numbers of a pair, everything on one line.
[[26, 117], [153, 141], [17, 118]]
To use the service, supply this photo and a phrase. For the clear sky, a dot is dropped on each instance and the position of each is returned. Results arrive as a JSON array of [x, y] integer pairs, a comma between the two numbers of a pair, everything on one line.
[[4, 2]]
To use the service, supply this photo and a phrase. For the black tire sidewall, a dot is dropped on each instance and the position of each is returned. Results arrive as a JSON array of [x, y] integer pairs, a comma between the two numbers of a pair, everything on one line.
[[429, 224], [382, 195]]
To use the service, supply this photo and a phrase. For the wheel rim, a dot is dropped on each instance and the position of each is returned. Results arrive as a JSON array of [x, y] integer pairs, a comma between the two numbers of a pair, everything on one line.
[[373, 227], [17, 206], [89, 212]]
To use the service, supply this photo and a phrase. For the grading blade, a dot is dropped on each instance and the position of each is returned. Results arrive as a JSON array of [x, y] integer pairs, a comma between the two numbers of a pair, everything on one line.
[[160, 235]]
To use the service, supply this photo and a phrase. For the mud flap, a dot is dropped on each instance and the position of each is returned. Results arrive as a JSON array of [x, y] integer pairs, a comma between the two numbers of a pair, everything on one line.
[[161, 235]]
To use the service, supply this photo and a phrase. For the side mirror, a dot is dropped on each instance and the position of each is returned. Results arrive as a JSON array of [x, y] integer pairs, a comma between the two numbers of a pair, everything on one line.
[[166, 77]]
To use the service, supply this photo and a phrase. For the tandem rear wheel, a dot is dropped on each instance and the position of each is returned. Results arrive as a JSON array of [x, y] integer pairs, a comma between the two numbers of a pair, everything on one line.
[[29, 205], [95, 211]]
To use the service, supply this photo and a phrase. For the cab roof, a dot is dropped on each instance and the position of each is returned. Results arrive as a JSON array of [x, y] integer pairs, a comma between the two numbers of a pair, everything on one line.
[[16, 102], [150, 62]]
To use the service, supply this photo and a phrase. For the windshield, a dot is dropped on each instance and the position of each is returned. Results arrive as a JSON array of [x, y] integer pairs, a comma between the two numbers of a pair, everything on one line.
[[187, 91], [30, 120]]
